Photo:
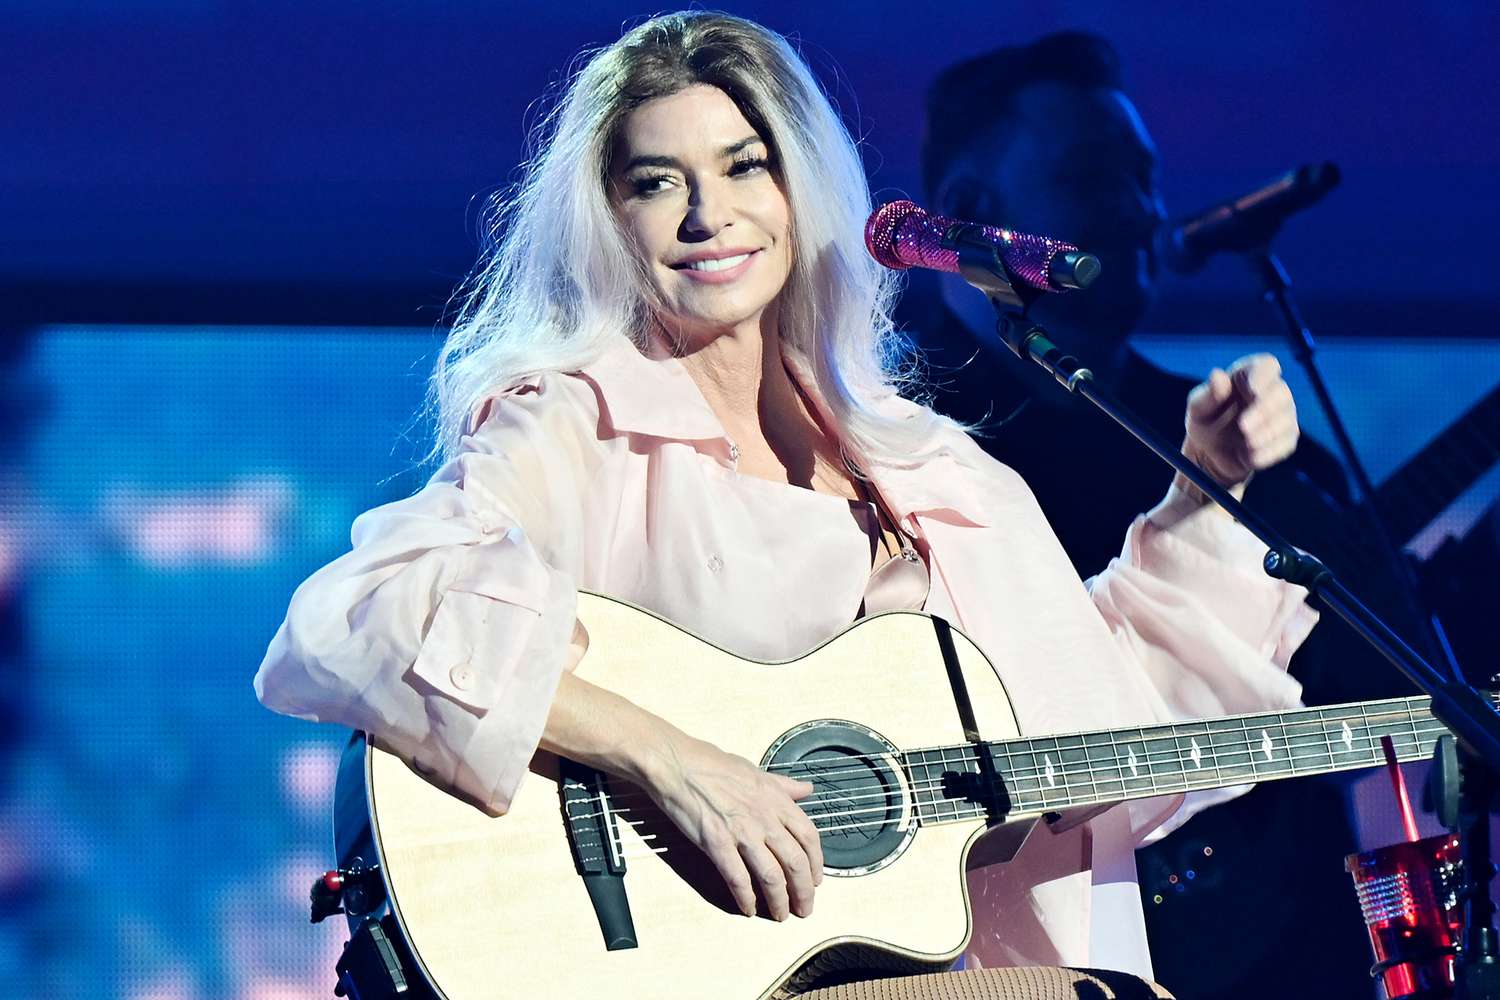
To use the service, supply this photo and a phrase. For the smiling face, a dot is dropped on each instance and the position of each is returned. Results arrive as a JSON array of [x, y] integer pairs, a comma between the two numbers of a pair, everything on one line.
[[694, 187]]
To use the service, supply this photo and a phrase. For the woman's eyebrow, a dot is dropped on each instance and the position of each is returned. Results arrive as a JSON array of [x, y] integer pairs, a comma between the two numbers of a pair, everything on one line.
[[650, 160]]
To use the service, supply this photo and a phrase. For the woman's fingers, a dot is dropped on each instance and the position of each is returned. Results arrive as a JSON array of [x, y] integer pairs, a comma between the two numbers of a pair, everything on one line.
[[727, 858], [770, 876], [805, 831], [748, 824], [1268, 427], [1253, 374], [1242, 419], [1210, 400], [796, 869], [803, 828]]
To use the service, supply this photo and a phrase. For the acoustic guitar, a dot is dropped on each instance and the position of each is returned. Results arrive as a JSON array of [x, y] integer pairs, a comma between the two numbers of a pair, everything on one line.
[[583, 889]]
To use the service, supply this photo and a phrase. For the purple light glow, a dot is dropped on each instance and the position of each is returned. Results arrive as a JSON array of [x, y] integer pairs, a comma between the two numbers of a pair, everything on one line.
[[234, 524]]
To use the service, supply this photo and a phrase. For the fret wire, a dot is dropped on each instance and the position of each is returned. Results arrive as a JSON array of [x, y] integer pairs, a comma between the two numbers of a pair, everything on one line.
[[1249, 748], [1323, 727], [1291, 760], [1185, 755], [934, 789], [946, 767], [1111, 772], [952, 809], [1083, 748], [914, 783], [1150, 775], [935, 785], [1370, 738]]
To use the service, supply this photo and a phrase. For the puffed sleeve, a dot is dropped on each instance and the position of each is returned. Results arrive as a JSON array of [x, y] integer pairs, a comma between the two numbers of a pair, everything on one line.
[[444, 631], [1212, 632]]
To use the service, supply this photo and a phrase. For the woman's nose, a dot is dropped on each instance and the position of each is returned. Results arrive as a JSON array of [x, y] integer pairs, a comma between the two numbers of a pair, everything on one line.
[[709, 210]]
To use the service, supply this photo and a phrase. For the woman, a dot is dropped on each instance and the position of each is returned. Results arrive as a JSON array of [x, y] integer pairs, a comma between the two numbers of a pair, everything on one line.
[[673, 382]]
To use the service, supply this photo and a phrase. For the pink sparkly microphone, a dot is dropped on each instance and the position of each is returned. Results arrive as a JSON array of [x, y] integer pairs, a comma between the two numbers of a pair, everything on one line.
[[1003, 263]]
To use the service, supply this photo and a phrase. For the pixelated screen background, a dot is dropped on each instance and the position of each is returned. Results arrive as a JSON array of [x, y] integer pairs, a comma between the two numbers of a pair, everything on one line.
[[226, 235], [160, 829]]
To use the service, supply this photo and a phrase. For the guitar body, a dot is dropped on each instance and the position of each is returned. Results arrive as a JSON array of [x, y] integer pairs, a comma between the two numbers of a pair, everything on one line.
[[499, 907]]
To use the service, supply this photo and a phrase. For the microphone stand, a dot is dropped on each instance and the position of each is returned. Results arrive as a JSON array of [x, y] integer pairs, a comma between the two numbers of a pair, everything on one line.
[[1464, 710], [1276, 289], [1461, 780]]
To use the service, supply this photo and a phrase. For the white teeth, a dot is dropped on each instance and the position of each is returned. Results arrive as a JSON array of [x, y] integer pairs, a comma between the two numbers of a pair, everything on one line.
[[722, 264]]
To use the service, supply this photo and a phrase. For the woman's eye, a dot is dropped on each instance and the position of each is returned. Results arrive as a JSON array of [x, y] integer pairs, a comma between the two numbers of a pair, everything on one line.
[[748, 165], [644, 187]]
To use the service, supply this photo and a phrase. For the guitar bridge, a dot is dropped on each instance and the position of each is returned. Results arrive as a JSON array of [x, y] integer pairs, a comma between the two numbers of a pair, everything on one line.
[[593, 835]]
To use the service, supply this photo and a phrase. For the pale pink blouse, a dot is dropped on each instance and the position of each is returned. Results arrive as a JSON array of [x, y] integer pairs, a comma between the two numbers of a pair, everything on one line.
[[445, 629]]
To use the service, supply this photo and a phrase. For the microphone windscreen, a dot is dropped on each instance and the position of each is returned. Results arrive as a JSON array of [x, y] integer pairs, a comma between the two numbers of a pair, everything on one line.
[[902, 234], [898, 236]]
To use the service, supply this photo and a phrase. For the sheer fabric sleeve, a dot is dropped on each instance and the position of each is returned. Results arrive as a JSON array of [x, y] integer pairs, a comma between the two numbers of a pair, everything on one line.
[[444, 631], [1211, 631]]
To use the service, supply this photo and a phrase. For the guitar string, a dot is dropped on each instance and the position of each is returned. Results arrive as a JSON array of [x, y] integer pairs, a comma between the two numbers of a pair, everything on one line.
[[1022, 808], [979, 810], [1065, 787], [881, 823], [1412, 722], [1249, 746], [1188, 730], [1406, 712], [1032, 773]]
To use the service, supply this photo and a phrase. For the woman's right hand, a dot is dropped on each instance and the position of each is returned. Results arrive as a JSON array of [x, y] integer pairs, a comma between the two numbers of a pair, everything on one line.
[[746, 820]]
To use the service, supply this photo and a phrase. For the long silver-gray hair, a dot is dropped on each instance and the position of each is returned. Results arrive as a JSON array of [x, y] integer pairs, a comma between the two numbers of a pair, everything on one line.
[[558, 279]]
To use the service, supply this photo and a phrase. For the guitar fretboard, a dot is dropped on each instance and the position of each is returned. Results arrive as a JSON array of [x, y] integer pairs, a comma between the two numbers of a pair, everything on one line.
[[1053, 773]]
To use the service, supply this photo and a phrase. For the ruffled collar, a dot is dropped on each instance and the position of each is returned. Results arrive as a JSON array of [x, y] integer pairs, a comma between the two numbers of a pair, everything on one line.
[[652, 394]]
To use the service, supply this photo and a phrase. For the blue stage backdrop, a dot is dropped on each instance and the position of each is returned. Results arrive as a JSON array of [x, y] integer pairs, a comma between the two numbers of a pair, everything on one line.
[[160, 829], [341, 142], [163, 489]]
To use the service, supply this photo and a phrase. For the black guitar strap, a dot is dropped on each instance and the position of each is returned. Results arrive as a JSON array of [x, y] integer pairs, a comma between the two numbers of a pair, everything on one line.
[[991, 793]]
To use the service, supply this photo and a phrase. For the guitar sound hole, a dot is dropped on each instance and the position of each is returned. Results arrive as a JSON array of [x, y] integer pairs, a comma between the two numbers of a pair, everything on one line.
[[859, 803]]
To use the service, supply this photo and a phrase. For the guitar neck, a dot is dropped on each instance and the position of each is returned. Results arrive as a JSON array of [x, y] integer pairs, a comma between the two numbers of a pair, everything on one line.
[[1054, 773], [1452, 462]]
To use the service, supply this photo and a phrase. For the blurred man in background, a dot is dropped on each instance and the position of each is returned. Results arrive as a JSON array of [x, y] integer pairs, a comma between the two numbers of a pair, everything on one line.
[[1043, 139]]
